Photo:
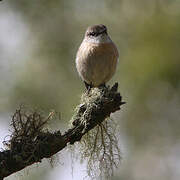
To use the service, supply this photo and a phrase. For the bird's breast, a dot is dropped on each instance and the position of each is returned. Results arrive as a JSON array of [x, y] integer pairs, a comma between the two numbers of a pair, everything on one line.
[[96, 62]]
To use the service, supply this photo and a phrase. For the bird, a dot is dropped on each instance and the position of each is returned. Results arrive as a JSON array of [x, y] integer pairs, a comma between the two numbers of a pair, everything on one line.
[[97, 57]]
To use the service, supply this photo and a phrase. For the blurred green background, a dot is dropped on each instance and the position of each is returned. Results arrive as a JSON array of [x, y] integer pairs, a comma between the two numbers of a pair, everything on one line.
[[38, 44]]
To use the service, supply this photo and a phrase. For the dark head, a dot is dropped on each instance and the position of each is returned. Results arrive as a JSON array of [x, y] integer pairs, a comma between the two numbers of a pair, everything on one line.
[[96, 30], [97, 34]]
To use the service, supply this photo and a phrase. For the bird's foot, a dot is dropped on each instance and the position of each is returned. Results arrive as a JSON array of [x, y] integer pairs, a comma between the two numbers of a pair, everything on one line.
[[88, 87]]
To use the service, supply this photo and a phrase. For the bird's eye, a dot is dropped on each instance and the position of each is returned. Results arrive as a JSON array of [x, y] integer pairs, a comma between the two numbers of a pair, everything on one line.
[[92, 34]]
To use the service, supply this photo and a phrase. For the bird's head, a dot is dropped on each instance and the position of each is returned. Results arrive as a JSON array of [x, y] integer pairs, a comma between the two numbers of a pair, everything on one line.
[[97, 34]]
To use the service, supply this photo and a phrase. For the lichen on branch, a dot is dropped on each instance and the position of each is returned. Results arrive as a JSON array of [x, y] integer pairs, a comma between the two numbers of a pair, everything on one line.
[[99, 147], [31, 141]]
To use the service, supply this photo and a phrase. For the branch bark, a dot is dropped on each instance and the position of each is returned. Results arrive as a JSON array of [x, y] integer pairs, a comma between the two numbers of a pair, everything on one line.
[[32, 149]]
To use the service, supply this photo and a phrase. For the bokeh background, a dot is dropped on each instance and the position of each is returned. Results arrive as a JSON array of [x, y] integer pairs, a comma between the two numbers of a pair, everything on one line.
[[38, 44]]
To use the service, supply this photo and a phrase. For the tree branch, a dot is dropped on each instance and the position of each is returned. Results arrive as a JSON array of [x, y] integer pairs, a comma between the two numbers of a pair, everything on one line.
[[30, 143]]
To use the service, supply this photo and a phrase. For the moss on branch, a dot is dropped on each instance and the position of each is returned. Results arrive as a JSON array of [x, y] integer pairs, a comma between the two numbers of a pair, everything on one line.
[[30, 141]]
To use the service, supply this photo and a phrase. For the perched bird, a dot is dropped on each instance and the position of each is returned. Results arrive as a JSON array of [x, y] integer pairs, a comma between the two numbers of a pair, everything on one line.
[[97, 57]]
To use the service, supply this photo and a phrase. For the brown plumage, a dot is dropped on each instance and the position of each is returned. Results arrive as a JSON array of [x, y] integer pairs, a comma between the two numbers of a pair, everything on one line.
[[96, 59]]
